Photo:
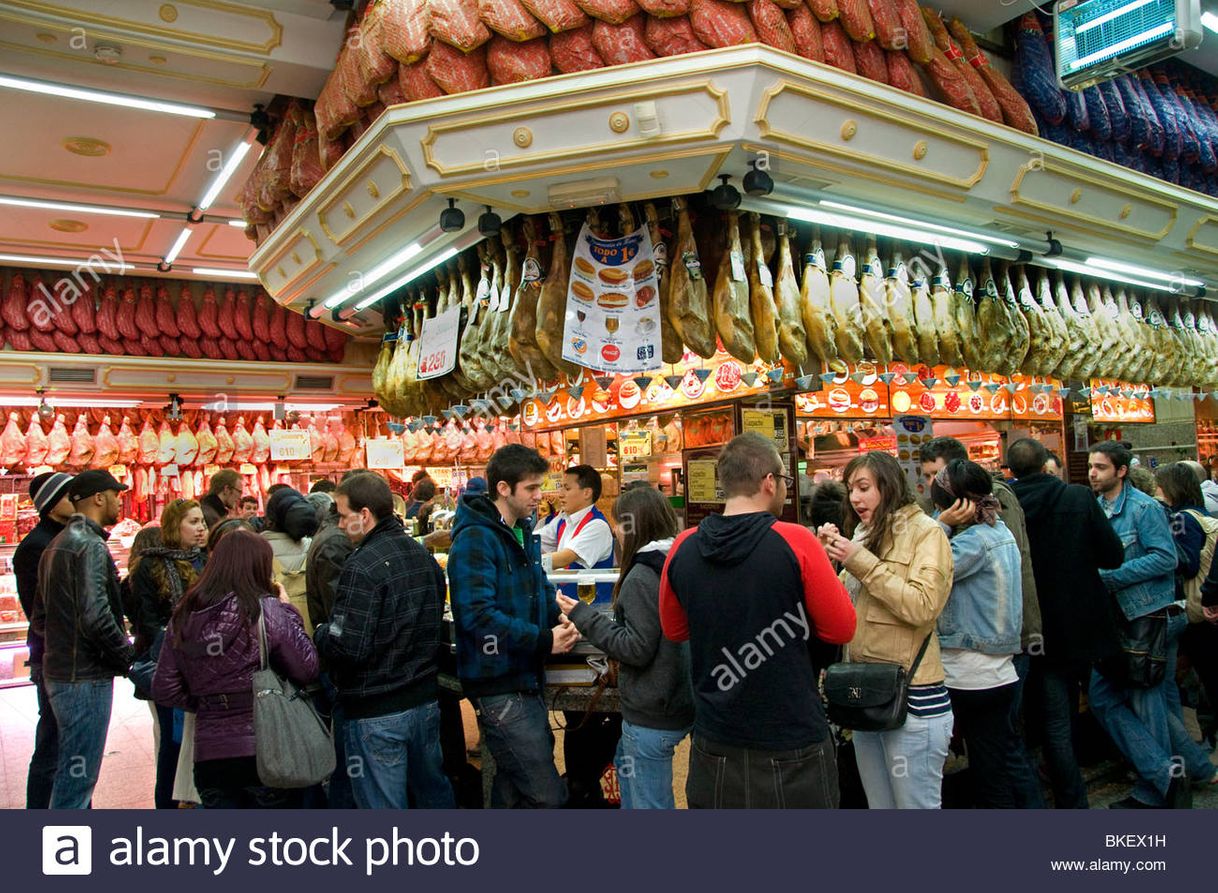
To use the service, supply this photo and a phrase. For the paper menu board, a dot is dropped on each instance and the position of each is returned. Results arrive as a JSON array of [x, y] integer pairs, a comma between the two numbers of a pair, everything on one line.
[[769, 423], [1109, 404], [912, 432], [702, 481], [613, 304]]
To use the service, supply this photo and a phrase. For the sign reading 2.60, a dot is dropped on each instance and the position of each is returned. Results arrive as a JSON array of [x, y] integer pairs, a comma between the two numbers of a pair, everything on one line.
[[438, 344]]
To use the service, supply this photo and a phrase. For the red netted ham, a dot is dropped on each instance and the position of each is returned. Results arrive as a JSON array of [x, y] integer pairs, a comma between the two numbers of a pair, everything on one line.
[[770, 23], [82, 444], [456, 72], [373, 62], [128, 443], [306, 157], [278, 333], [456, 22], [671, 36], [227, 320], [869, 61], [167, 445], [224, 444], [572, 51], [145, 313], [515, 63], [918, 43], [84, 311], [855, 17], [151, 346], [243, 444], [16, 299], [839, 51], [613, 12], [166, 318], [557, 15], [336, 343], [824, 10], [405, 29], [242, 320], [805, 29], [262, 443], [58, 443], [416, 83], [209, 314], [39, 312], [36, 443], [329, 442], [107, 315], [65, 343], [149, 443], [261, 323], [12, 443], [125, 319], [347, 444], [61, 315], [207, 443], [667, 9], [622, 44], [719, 23], [510, 19], [951, 83], [105, 446], [903, 75], [316, 333]]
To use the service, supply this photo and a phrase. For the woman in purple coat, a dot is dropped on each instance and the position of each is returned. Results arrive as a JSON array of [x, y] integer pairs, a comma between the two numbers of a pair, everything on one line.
[[208, 662]]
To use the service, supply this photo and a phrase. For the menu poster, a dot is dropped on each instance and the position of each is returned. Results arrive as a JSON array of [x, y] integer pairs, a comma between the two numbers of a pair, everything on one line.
[[776, 423], [845, 397], [912, 432], [1109, 405], [703, 495], [613, 304]]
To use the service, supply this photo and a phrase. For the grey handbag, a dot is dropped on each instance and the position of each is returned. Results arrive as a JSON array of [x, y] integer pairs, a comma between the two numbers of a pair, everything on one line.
[[294, 746]]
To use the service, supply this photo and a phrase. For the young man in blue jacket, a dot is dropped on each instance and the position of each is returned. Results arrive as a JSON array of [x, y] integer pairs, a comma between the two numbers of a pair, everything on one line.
[[1144, 584], [507, 622]]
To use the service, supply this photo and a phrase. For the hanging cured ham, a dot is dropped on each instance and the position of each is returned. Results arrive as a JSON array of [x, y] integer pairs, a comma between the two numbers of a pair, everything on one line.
[[81, 451], [329, 441], [243, 443], [105, 445], [187, 450], [261, 451], [761, 294], [844, 302], [167, 445], [12, 443], [815, 308], [36, 443], [731, 297], [207, 443], [224, 444], [59, 444]]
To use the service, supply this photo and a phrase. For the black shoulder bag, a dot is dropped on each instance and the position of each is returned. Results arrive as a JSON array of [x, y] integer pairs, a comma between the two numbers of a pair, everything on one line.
[[870, 697]]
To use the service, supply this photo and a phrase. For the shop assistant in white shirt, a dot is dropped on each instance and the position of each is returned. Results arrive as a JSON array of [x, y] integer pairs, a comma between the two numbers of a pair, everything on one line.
[[587, 541]]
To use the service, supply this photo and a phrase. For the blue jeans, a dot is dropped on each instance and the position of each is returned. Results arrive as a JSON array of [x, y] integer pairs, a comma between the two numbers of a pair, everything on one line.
[[45, 757], [1060, 684], [903, 768], [82, 712], [644, 766], [338, 788], [1028, 794], [395, 759], [167, 756], [1196, 759], [516, 730]]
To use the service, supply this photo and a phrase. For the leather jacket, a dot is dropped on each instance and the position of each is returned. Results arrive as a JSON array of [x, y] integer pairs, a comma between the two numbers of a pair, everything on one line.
[[79, 611]]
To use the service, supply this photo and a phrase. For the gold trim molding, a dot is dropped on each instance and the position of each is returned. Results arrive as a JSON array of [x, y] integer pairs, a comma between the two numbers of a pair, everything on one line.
[[341, 191], [1106, 187]]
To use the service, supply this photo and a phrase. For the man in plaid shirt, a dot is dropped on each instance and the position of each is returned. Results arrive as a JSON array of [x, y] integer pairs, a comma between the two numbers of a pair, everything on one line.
[[382, 645]]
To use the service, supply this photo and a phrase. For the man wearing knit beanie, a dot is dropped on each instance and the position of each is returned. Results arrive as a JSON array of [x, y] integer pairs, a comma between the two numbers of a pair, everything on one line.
[[50, 495]]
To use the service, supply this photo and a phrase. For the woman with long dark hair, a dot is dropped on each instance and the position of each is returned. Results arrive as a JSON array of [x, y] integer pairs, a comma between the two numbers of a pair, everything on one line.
[[653, 682], [158, 580], [211, 652], [898, 571], [979, 632]]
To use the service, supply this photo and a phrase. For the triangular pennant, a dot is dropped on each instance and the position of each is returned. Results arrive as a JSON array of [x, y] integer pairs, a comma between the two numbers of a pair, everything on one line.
[[604, 382], [858, 377], [775, 375], [975, 384], [806, 382], [1011, 387], [750, 378], [952, 380], [993, 388], [1063, 392], [429, 429], [1084, 392], [674, 381], [429, 420], [414, 427], [505, 401], [395, 428], [517, 395], [643, 381], [703, 374], [827, 377], [928, 383], [461, 410], [887, 377], [576, 391]]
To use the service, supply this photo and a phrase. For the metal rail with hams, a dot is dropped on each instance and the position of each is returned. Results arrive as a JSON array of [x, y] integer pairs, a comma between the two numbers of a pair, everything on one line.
[[120, 317]]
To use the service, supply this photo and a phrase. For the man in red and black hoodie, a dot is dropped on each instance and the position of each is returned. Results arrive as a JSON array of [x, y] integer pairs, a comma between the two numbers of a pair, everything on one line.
[[749, 592]]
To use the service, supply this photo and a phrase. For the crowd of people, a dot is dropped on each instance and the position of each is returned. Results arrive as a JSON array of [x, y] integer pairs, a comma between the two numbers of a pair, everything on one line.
[[973, 617]]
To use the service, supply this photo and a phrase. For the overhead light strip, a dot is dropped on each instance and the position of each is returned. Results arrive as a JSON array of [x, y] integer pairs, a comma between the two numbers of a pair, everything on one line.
[[407, 277], [1084, 269], [71, 402], [178, 245], [880, 228], [74, 208], [1210, 20], [240, 224], [375, 275], [226, 173], [1109, 16], [221, 273], [62, 261], [1116, 266], [119, 99], [918, 224]]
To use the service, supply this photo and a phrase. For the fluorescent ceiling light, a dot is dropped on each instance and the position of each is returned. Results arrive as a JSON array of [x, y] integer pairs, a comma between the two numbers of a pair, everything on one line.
[[120, 99], [1210, 20], [406, 277], [222, 178], [61, 261], [260, 406], [879, 228], [79, 209], [240, 224], [375, 275], [70, 402], [1121, 46], [1175, 278], [1109, 16], [183, 236], [918, 224], [1073, 266], [232, 274]]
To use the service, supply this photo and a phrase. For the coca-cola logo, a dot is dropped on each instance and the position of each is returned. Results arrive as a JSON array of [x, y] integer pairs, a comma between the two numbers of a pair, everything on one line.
[[611, 353]]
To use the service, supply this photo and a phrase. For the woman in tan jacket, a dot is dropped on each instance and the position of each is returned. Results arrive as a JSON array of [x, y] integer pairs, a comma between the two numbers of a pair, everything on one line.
[[898, 570]]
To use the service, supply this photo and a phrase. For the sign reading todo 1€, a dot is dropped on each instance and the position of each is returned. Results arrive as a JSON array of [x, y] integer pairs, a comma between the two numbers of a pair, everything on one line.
[[613, 304]]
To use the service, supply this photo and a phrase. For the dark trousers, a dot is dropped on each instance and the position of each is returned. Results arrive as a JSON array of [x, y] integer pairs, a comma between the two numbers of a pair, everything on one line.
[[336, 793], [166, 759], [45, 757], [1060, 685], [588, 747], [234, 784], [1029, 794], [995, 752], [1200, 644], [723, 777]]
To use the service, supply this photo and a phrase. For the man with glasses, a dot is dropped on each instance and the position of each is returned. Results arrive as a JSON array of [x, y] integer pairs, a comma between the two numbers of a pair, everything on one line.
[[748, 592], [223, 497]]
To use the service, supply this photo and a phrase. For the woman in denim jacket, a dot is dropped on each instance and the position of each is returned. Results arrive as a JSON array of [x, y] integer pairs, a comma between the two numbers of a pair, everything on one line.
[[979, 631]]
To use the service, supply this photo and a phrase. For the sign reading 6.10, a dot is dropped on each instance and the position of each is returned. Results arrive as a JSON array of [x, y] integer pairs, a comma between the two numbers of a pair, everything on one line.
[[438, 344]]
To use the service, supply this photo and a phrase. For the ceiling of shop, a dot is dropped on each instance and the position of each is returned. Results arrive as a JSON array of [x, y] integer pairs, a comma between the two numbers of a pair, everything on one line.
[[223, 55]]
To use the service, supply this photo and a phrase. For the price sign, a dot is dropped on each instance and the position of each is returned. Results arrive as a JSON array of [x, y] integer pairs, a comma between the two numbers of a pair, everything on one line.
[[290, 446], [385, 452], [634, 445], [438, 344]]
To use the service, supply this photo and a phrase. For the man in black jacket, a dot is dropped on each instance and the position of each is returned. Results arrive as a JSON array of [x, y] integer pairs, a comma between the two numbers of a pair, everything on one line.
[[1071, 540], [79, 613], [382, 646], [50, 494]]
